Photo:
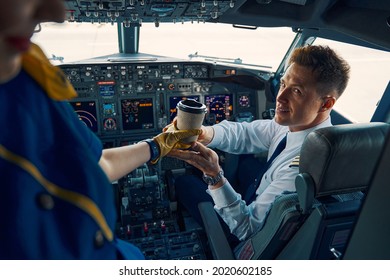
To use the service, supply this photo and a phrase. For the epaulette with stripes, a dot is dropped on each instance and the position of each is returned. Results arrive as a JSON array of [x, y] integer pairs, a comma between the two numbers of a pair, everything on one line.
[[295, 162]]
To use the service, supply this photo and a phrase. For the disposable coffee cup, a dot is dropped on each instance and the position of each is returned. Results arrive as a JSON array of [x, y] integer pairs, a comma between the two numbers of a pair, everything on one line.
[[190, 115]]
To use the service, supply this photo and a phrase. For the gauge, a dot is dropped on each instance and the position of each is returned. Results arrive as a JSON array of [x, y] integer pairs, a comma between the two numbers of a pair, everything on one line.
[[244, 101], [109, 124], [148, 86]]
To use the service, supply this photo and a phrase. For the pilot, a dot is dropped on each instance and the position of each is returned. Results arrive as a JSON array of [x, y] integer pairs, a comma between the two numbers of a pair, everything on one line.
[[57, 200], [315, 78]]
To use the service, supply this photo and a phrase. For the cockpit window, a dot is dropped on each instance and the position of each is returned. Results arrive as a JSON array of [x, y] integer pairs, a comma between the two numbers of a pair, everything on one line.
[[263, 46], [369, 79], [70, 42], [207, 41]]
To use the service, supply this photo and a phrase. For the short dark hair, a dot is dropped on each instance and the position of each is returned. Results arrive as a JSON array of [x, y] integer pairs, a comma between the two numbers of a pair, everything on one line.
[[331, 71]]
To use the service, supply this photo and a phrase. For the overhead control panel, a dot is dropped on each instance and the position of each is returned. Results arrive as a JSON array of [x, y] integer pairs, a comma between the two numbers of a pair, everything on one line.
[[132, 12]]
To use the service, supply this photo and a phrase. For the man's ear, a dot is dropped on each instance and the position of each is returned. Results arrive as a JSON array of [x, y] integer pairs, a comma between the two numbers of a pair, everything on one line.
[[327, 103]]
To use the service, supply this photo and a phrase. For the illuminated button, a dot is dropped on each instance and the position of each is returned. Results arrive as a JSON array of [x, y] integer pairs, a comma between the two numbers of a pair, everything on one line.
[[45, 201], [99, 239]]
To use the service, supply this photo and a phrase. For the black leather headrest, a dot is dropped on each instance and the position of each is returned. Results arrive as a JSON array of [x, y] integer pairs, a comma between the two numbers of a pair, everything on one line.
[[342, 158]]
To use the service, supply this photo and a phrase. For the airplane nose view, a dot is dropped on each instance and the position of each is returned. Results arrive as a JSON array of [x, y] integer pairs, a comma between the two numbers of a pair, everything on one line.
[[195, 130]]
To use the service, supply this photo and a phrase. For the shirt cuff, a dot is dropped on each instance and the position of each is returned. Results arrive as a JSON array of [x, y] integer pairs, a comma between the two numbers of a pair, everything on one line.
[[223, 196], [218, 135]]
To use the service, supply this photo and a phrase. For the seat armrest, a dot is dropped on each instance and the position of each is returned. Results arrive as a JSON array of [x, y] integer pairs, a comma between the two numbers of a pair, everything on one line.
[[219, 245]]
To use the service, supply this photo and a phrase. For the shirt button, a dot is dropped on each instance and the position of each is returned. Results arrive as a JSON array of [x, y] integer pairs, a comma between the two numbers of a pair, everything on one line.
[[45, 201], [99, 239]]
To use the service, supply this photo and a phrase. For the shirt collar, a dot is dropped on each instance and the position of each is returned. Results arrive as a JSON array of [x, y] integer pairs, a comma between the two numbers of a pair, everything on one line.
[[297, 137]]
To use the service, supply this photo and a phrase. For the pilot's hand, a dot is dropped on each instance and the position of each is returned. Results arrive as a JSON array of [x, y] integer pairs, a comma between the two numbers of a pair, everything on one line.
[[171, 139], [201, 157]]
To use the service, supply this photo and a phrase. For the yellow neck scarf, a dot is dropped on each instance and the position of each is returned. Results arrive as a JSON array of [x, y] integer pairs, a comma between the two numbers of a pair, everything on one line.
[[48, 76]]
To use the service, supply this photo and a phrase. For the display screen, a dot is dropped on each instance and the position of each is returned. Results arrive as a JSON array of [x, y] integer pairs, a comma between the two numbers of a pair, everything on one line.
[[173, 100], [219, 107], [244, 101], [137, 113], [106, 90], [86, 110]]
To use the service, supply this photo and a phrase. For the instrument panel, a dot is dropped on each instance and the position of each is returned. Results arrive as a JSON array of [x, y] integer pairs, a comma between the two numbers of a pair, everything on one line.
[[125, 102], [131, 100]]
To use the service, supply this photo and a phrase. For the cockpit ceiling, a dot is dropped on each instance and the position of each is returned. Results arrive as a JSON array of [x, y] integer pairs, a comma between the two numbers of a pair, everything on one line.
[[366, 20]]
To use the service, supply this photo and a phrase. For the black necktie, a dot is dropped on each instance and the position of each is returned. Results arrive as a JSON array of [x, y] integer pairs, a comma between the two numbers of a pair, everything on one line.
[[250, 194]]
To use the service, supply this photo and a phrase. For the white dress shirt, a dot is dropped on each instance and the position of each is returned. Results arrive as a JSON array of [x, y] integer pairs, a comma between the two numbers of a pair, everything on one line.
[[255, 137]]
